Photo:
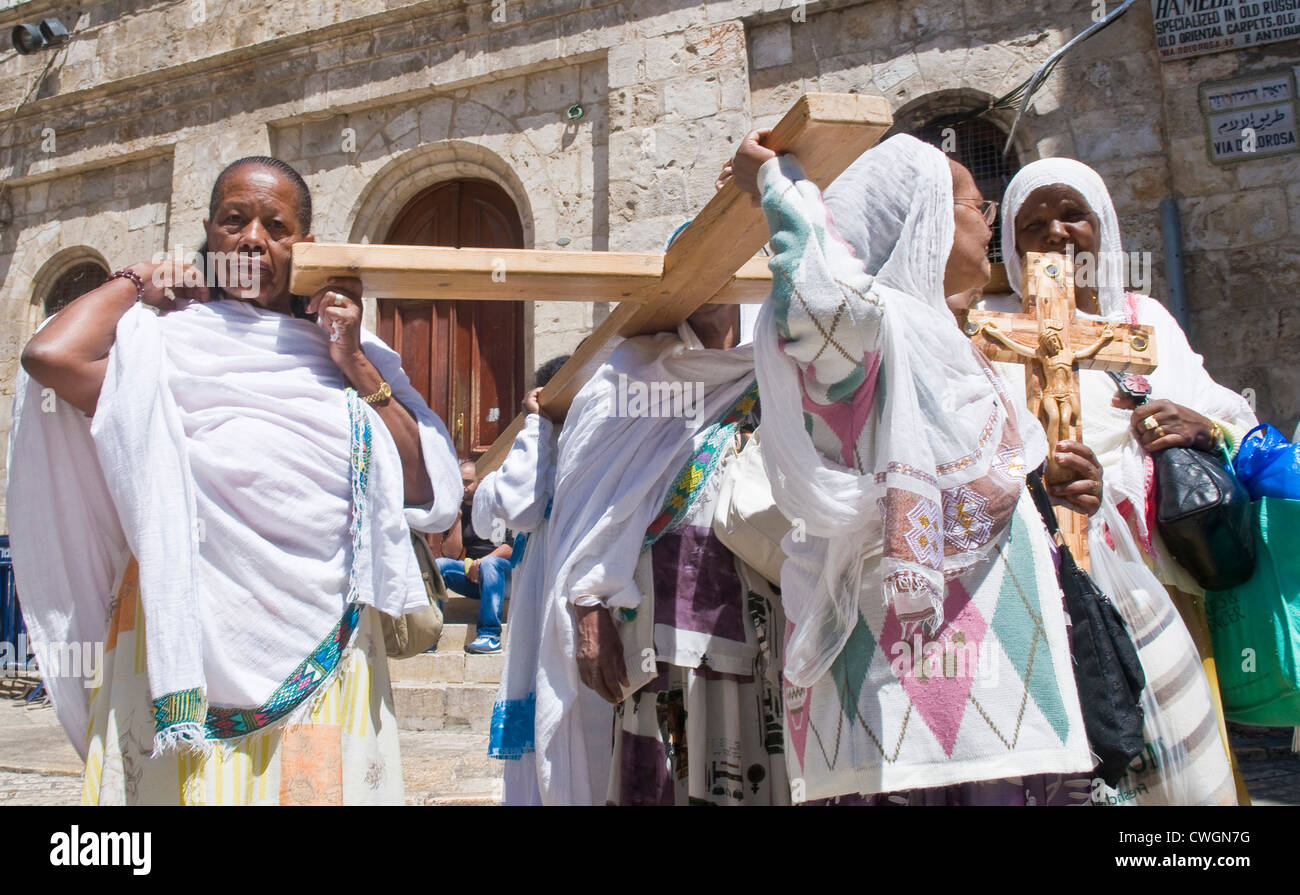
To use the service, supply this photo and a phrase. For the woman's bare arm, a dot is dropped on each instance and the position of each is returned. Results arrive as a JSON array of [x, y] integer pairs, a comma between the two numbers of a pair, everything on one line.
[[70, 354]]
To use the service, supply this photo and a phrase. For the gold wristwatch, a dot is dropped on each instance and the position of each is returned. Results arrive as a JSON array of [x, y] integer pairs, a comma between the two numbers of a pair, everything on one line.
[[383, 394]]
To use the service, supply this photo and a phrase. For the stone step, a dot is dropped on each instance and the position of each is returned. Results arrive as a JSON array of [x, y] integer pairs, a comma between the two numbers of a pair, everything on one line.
[[464, 611], [440, 706], [448, 666], [450, 768], [456, 635]]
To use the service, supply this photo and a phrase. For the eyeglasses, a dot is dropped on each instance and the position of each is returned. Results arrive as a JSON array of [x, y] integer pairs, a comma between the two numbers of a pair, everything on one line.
[[987, 207]]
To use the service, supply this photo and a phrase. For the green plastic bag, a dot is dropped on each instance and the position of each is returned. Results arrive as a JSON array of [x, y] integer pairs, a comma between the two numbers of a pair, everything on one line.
[[1256, 627]]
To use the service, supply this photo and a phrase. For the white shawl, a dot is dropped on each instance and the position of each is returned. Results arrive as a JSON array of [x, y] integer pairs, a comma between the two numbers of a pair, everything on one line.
[[939, 416], [219, 456], [612, 476], [516, 497]]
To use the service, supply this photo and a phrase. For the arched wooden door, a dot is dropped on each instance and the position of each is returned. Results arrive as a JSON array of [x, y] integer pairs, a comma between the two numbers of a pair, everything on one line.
[[465, 357]]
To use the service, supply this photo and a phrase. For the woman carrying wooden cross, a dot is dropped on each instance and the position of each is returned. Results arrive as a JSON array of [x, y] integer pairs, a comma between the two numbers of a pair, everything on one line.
[[222, 491], [1062, 205], [927, 660]]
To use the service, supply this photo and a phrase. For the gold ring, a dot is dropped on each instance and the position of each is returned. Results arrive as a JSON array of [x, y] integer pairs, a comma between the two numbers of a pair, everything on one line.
[[1160, 431], [1150, 422]]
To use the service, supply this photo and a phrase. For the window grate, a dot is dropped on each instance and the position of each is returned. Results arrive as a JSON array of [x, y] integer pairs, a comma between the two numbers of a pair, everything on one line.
[[74, 283], [979, 147]]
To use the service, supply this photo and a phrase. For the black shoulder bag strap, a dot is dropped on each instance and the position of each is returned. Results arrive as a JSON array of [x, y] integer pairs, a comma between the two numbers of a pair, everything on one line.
[[1106, 665]]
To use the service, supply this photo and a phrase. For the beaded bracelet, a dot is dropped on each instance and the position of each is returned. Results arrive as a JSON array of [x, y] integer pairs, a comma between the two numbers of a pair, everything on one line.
[[134, 277]]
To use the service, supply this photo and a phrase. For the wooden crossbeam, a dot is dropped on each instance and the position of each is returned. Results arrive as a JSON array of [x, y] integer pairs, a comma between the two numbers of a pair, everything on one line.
[[826, 132], [711, 261], [432, 272]]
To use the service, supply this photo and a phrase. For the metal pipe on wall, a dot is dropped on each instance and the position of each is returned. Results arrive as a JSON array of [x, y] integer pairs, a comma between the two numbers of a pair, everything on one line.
[[1172, 228]]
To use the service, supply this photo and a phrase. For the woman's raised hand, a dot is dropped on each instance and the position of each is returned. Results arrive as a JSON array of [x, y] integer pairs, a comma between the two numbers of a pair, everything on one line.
[[338, 310], [751, 156], [533, 402], [170, 281]]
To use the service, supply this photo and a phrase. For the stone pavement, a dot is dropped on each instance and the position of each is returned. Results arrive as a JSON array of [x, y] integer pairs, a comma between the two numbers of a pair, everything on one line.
[[1271, 769], [450, 767], [38, 766]]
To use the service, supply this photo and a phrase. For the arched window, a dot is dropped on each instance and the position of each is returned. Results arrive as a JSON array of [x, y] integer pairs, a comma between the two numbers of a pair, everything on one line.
[[73, 283], [977, 143]]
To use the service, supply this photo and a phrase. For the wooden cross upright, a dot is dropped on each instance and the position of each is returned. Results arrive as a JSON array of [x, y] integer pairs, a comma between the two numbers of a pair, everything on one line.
[[712, 261], [1053, 343]]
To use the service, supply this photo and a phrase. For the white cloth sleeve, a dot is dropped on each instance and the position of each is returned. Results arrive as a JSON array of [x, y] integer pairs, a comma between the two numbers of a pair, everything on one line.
[[827, 318], [517, 492], [439, 452]]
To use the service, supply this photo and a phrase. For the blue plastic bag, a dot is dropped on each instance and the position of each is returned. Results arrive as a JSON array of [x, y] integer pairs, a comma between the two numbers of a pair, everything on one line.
[[1269, 465]]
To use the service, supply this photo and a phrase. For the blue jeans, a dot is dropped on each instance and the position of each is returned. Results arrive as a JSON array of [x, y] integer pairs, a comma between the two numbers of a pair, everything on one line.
[[490, 591]]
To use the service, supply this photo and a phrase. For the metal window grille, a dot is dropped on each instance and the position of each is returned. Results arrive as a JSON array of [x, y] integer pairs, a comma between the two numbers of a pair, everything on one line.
[[979, 147], [74, 283]]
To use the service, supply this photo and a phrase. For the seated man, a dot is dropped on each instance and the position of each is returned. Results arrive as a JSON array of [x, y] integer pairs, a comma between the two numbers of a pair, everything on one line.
[[475, 567]]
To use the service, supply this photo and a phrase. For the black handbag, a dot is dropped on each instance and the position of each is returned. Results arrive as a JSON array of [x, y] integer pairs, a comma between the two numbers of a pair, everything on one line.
[[1107, 670], [1203, 513]]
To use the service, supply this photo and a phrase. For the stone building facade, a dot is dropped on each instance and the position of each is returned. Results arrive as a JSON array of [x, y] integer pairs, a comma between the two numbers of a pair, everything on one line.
[[110, 144]]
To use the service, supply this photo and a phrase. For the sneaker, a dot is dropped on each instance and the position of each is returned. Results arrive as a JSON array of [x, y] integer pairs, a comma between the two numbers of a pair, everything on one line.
[[484, 644]]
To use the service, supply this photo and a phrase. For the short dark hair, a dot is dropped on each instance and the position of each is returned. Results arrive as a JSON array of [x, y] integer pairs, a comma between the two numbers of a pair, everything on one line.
[[548, 370], [275, 164]]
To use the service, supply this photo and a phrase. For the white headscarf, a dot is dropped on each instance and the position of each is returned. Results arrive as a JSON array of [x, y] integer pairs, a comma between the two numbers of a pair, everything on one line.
[[1088, 183], [940, 416]]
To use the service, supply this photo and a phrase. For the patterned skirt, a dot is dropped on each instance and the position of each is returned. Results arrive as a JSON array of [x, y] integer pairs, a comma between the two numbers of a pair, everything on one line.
[[343, 750], [989, 697], [706, 730], [698, 737]]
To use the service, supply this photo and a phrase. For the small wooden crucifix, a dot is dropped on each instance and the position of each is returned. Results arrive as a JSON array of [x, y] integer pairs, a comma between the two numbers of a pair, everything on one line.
[[711, 262], [1053, 343]]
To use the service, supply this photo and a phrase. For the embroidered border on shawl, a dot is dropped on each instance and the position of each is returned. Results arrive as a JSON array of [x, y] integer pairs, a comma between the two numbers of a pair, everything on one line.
[[224, 723], [895, 468], [963, 462], [360, 450], [690, 480], [184, 714], [178, 712]]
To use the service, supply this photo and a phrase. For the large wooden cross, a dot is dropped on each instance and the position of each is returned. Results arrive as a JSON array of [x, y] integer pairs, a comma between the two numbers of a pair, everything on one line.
[[1053, 344], [712, 261]]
